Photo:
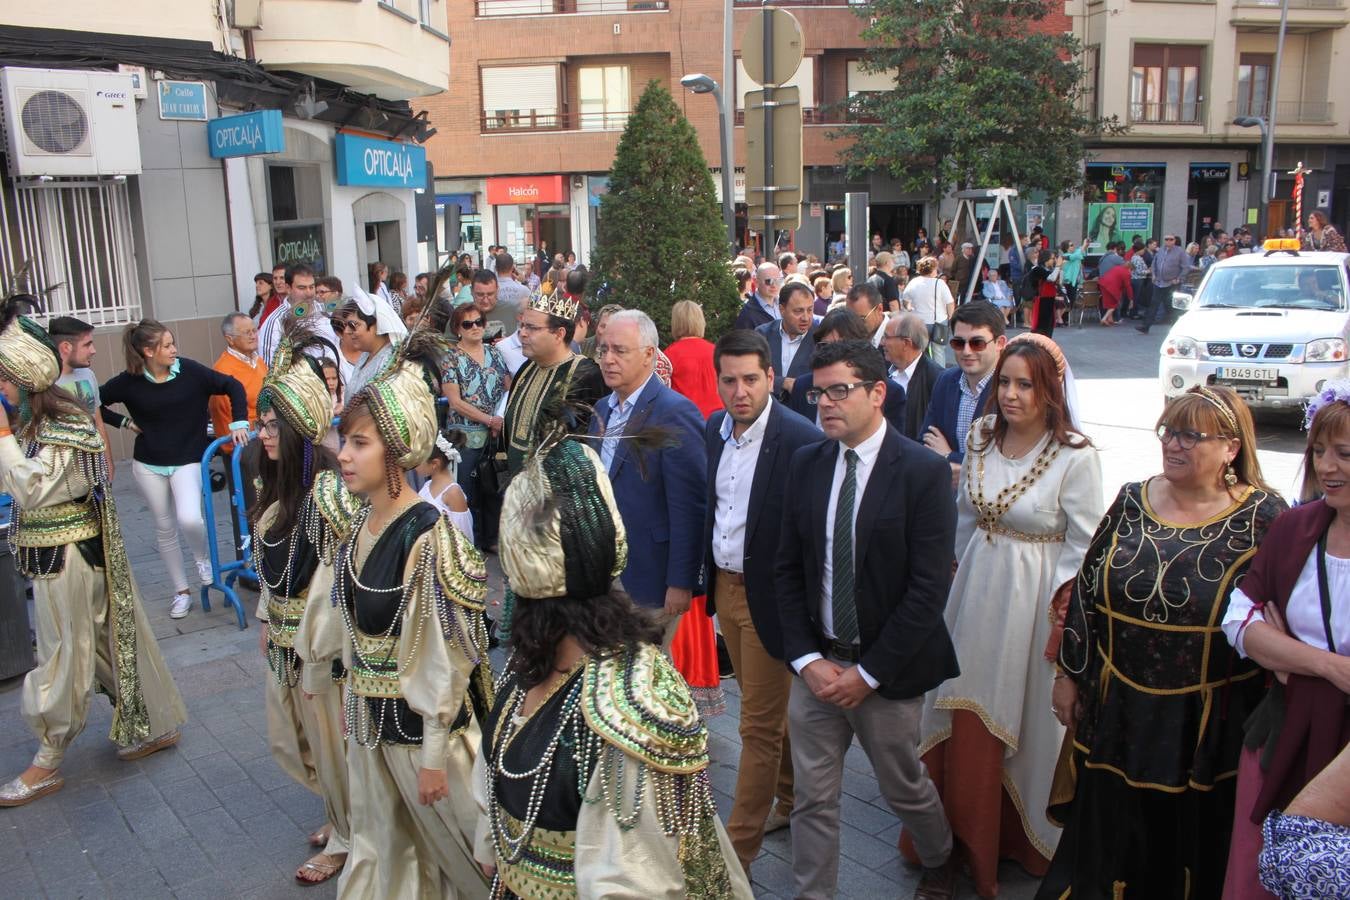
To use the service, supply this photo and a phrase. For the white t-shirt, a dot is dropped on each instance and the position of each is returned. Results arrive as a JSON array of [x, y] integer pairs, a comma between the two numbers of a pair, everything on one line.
[[461, 520], [929, 297]]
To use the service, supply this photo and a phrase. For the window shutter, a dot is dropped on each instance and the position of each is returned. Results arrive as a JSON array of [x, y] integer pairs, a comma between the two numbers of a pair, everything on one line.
[[520, 88]]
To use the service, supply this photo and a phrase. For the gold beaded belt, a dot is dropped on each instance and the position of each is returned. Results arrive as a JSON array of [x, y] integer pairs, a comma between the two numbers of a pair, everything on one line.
[[371, 674], [56, 526], [1027, 536], [283, 619], [546, 864]]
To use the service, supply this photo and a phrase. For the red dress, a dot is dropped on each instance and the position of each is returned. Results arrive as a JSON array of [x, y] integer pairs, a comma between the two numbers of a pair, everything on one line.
[[694, 376], [694, 648]]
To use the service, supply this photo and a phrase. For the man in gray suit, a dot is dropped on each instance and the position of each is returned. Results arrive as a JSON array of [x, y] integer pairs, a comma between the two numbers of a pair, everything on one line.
[[790, 338]]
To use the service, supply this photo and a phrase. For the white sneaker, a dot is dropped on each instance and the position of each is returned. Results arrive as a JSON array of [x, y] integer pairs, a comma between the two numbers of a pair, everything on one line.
[[178, 609], [204, 571]]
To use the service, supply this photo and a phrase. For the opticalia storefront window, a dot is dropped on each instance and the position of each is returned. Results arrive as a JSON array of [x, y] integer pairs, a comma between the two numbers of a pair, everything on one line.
[[1122, 201], [295, 204]]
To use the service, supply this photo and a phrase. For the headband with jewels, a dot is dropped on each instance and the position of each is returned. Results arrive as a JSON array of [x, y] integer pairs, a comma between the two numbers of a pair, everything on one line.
[[295, 387], [557, 304], [28, 358]]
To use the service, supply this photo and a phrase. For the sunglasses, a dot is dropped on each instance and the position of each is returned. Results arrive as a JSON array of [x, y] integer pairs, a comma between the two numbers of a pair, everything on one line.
[[347, 325], [471, 323], [977, 343]]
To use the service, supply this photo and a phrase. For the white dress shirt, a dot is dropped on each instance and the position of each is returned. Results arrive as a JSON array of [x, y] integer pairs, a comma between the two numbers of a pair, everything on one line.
[[867, 452], [790, 347], [902, 376], [619, 412], [735, 475], [1303, 613], [512, 354]]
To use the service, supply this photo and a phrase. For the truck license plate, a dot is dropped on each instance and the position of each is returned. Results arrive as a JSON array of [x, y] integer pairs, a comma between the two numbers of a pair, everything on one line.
[[1247, 373]]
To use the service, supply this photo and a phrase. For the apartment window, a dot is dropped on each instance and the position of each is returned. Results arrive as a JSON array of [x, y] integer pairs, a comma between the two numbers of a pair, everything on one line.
[[861, 82], [1253, 91], [1165, 83], [602, 97], [520, 97]]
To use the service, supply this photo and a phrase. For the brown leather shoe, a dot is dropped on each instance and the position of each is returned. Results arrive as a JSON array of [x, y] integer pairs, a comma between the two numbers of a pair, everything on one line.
[[938, 883], [777, 821]]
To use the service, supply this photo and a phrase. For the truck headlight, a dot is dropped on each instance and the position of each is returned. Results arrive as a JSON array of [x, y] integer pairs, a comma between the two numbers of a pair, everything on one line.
[[1325, 350], [1181, 348]]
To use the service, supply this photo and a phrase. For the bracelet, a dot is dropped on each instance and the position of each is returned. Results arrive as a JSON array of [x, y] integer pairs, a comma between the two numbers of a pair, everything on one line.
[[1060, 675]]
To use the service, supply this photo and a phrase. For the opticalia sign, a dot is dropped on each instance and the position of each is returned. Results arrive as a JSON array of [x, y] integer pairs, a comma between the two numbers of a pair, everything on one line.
[[250, 134], [372, 162]]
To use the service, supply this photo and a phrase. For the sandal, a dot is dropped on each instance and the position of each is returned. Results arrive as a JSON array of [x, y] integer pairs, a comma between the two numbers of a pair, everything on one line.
[[323, 870], [320, 837]]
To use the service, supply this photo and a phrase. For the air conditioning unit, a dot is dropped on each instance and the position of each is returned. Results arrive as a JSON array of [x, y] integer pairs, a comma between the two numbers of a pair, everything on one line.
[[69, 123]]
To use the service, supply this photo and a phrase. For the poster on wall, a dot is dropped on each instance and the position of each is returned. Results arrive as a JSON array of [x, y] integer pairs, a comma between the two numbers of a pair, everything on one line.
[[1035, 216], [1109, 222]]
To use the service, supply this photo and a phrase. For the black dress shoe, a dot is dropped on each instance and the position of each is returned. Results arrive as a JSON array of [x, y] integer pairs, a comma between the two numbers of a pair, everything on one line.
[[724, 669]]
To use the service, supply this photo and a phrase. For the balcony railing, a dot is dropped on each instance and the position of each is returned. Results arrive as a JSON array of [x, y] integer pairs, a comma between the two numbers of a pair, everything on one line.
[[1190, 112], [1287, 112], [804, 2], [1293, 4], [825, 116], [486, 8], [521, 120]]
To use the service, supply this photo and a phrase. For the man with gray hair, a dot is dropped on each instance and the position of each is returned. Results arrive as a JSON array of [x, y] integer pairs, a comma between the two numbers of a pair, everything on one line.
[[661, 492], [762, 307], [903, 343], [242, 363]]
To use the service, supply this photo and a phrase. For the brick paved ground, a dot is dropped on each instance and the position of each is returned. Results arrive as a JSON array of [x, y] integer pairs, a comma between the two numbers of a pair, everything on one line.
[[215, 817]]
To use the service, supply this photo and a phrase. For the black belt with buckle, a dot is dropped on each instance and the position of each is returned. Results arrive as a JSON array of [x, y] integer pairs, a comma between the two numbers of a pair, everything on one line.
[[847, 652]]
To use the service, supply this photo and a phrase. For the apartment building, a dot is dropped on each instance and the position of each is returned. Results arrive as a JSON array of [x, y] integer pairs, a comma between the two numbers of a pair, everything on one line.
[[542, 89], [159, 155], [1178, 74]]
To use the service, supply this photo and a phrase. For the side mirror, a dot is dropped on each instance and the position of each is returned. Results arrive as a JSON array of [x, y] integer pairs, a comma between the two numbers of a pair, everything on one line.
[[1182, 300]]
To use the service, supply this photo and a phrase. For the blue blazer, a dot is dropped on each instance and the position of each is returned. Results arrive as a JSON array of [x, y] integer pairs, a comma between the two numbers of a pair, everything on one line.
[[893, 408], [942, 409], [661, 495], [783, 434], [801, 363], [904, 544], [752, 315]]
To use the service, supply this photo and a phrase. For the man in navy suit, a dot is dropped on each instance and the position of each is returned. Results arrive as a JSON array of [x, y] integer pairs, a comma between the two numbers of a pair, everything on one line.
[[843, 325], [961, 394], [904, 342], [762, 307], [660, 493], [790, 338], [864, 564], [749, 448]]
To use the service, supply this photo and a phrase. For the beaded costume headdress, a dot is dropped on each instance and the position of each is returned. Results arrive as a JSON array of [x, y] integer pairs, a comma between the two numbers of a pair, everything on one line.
[[295, 387], [28, 357]]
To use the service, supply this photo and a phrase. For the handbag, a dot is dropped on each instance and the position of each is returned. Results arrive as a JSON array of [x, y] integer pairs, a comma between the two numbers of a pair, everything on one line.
[[491, 470], [941, 331]]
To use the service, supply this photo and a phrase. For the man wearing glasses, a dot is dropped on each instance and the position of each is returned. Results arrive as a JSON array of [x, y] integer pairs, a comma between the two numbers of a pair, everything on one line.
[[863, 566], [551, 373], [1170, 265], [302, 302], [762, 307]]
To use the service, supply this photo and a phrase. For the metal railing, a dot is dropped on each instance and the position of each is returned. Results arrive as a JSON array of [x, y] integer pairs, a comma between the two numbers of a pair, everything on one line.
[[804, 2], [1287, 112], [1293, 4], [76, 233], [490, 8], [518, 120], [1169, 113]]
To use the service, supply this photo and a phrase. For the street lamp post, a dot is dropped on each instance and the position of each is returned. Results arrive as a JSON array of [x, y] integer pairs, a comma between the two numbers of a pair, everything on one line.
[[703, 84], [1262, 214]]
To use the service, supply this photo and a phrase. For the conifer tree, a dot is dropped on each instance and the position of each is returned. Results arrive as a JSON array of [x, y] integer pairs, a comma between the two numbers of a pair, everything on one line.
[[661, 235]]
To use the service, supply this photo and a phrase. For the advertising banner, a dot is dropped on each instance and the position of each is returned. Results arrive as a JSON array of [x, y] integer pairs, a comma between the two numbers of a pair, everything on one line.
[[1108, 222]]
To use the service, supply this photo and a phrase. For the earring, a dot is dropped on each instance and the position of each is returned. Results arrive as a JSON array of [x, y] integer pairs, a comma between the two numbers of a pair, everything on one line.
[[1229, 476]]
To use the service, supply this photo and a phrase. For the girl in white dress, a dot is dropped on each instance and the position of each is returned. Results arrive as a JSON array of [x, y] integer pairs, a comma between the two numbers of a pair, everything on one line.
[[1030, 498], [441, 490]]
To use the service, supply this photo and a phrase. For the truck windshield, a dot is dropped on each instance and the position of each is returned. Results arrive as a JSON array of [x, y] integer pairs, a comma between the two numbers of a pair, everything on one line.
[[1278, 287]]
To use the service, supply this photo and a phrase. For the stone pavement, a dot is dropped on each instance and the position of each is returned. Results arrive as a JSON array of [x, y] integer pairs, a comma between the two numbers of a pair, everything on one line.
[[215, 818]]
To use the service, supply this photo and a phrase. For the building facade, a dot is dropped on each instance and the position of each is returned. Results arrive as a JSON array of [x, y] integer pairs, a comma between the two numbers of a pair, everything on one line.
[[158, 156], [1178, 74], [543, 89]]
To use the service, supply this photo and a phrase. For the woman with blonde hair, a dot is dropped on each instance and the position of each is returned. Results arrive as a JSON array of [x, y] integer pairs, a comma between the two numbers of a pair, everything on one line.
[[840, 282], [1152, 697]]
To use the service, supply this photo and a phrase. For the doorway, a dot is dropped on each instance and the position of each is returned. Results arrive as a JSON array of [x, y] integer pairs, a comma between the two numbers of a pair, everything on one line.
[[896, 220], [1278, 217], [384, 243]]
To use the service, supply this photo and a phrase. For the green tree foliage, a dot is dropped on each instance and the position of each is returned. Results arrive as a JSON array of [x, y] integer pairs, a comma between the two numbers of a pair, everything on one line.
[[984, 98], [661, 236]]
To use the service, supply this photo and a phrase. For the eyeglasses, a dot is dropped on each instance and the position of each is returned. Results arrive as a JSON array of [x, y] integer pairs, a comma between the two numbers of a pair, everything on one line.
[[271, 429], [976, 343], [612, 350], [533, 329], [836, 392], [1186, 437], [471, 323], [1168, 240], [770, 281]]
